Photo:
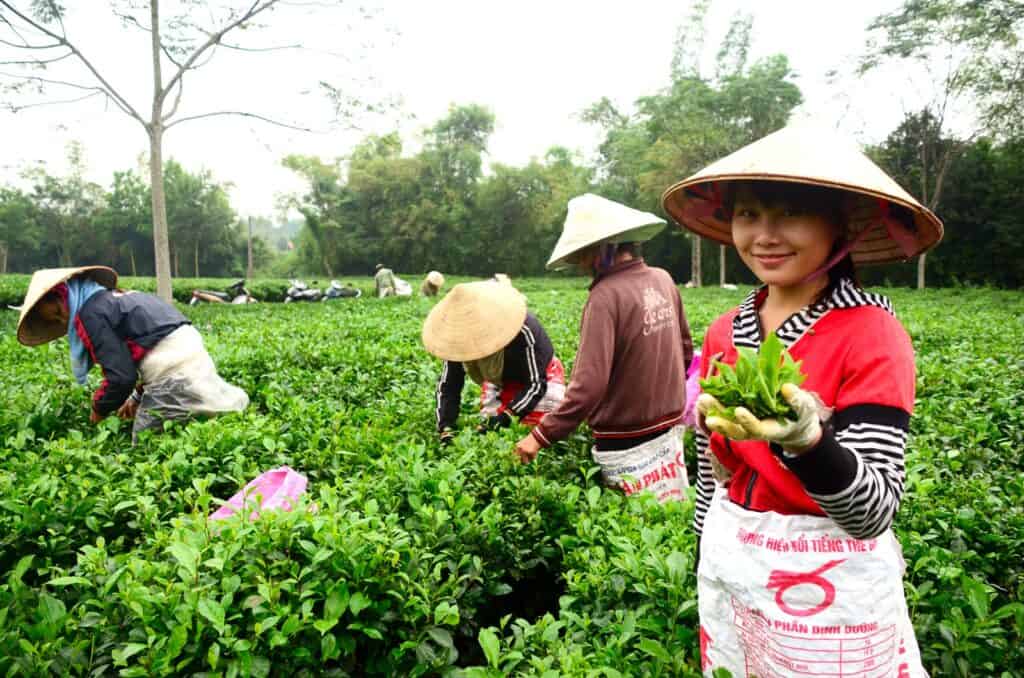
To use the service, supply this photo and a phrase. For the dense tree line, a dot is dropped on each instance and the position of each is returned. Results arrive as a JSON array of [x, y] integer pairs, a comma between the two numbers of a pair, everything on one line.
[[68, 220], [445, 207]]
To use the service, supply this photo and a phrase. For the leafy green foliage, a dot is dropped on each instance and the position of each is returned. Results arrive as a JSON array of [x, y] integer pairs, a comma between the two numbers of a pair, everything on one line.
[[755, 382], [406, 558]]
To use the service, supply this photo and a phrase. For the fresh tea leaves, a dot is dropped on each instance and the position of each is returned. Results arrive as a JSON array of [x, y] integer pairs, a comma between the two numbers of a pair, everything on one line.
[[754, 382]]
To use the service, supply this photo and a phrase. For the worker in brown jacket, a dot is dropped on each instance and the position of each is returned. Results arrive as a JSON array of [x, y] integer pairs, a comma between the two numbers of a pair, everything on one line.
[[629, 378]]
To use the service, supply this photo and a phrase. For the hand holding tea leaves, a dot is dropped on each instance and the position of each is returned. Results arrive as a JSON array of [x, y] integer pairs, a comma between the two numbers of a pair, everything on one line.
[[760, 399]]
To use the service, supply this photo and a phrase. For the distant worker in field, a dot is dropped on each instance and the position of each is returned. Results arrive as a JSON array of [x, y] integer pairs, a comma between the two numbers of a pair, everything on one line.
[[483, 329], [629, 377], [154, 364], [384, 279], [802, 207], [432, 284]]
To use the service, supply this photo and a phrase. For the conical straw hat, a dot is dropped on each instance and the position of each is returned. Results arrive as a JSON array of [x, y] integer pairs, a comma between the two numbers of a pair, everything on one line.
[[474, 320], [33, 330], [436, 279], [810, 156], [593, 219]]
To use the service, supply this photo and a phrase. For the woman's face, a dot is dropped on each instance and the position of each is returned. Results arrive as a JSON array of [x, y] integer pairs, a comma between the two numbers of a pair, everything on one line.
[[782, 244], [52, 310], [585, 261]]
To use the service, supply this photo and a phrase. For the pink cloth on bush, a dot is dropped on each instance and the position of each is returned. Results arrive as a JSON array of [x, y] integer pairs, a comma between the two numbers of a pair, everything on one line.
[[277, 489]]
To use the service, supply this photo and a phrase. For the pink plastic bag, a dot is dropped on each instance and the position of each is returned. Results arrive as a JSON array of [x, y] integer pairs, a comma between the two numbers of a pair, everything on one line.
[[692, 391], [277, 489]]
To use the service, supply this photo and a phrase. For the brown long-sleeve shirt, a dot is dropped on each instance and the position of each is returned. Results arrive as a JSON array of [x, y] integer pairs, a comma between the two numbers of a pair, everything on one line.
[[629, 377]]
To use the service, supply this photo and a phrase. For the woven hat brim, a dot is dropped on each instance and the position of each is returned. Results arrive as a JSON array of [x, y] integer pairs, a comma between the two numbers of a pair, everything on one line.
[[878, 247], [473, 321], [593, 220], [33, 330], [563, 252]]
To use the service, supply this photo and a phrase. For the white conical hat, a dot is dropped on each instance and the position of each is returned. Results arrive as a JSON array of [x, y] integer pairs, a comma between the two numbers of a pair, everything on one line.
[[33, 330], [807, 155], [593, 219], [436, 279], [474, 320]]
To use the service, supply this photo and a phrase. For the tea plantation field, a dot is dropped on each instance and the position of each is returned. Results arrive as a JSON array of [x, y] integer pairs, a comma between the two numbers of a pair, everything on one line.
[[411, 559]]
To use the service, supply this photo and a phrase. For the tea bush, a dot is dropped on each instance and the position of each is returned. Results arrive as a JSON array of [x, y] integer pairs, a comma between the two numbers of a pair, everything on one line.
[[406, 558]]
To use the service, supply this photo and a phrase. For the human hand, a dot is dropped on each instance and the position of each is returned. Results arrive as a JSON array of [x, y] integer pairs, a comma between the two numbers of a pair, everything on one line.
[[494, 423], [128, 409], [795, 437], [527, 448]]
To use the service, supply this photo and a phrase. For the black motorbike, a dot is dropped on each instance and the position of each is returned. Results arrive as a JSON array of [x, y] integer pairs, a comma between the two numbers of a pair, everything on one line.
[[299, 291], [339, 291], [235, 294]]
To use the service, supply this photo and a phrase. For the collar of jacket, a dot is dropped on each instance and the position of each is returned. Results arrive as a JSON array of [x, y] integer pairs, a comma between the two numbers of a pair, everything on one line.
[[617, 268]]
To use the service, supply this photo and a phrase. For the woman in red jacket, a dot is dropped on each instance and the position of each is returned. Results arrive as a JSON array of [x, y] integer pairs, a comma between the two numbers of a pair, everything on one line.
[[799, 570]]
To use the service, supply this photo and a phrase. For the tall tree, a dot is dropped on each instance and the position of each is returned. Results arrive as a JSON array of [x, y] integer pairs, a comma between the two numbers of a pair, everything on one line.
[[19, 231], [65, 205], [125, 219], [971, 50], [692, 122], [180, 45], [979, 45]]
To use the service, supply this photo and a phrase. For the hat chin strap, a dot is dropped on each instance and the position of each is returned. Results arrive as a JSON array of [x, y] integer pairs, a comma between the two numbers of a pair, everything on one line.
[[897, 231]]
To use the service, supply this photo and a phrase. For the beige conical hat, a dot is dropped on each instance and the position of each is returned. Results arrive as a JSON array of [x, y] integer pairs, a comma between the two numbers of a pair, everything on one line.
[[436, 279], [593, 219], [474, 320], [811, 156], [33, 330]]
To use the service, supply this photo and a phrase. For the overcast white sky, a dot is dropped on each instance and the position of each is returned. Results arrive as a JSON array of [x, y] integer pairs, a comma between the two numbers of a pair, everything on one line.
[[535, 64]]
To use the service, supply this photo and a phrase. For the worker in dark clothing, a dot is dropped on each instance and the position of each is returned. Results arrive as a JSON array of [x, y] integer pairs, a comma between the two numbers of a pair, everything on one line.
[[154, 364]]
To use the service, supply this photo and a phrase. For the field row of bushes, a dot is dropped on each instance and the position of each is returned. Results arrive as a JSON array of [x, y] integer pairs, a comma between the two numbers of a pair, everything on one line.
[[407, 558]]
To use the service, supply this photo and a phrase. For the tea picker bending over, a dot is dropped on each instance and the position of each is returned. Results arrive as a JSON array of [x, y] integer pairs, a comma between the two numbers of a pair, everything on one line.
[[798, 523], [384, 281], [154, 364], [432, 284], [629, 378], [483, 329]]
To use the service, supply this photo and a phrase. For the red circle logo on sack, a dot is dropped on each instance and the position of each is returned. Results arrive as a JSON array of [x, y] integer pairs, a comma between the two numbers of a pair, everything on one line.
[[783, 580]]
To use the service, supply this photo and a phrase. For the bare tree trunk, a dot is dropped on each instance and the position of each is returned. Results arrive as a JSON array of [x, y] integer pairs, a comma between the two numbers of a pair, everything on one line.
[[131, 255], [3, 258], [920, 271], [161, 245], [721, 265], [327, 267], [248, 267], [695, 276], [177, 261], [197, 257]]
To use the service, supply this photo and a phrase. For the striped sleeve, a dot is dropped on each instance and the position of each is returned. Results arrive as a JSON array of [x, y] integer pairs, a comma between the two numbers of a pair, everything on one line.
[[705, 482], [856, 473], [536, 386], [449, 394]]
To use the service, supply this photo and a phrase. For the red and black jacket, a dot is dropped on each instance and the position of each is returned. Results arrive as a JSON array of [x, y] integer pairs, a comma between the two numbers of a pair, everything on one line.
[[859, 360], [118, 329]]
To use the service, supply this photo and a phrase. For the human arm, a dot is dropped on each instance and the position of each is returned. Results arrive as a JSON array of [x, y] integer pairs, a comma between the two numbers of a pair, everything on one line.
[[449, 395], [684, 332], [111, 352], [533, 349], [590, 374]]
